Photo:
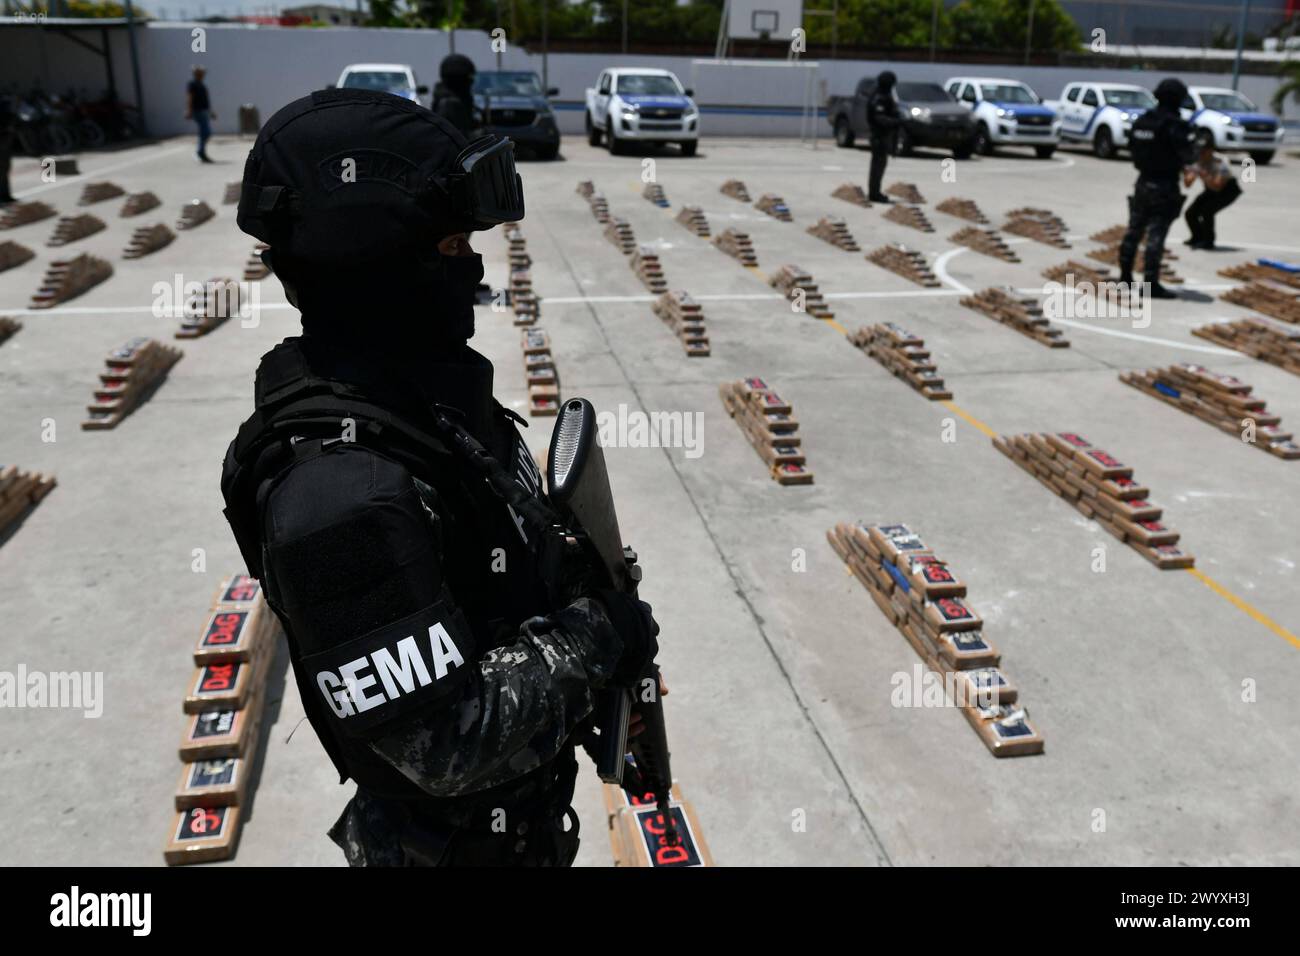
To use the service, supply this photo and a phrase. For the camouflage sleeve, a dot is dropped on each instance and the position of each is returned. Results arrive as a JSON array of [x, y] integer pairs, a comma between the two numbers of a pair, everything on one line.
[[516, 712]]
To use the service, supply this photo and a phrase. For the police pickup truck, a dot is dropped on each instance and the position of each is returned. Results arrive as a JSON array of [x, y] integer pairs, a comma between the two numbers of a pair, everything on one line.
[[1007, 113], [641, 105], [1100, 114], [930, 117], [1231, 122]]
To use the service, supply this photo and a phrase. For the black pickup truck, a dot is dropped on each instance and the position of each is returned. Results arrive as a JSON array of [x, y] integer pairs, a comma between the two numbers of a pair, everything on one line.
[[931, 117]]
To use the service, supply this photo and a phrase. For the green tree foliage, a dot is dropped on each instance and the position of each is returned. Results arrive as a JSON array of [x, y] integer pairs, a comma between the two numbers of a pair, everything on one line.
[[1001, 25]]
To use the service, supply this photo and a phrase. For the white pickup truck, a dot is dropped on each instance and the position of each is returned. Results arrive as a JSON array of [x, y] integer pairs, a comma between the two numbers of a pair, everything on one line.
[[1100, 114], [641, 105], [1231, 121]]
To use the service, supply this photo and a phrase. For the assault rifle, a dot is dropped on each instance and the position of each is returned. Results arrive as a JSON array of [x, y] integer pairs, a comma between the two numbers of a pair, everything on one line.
[[579, 489]]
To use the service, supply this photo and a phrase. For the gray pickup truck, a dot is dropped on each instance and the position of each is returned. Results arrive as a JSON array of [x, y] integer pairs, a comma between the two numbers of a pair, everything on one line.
[[931, 117]]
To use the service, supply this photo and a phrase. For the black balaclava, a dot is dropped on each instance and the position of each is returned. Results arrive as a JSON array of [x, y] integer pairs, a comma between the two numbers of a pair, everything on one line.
[[1170, 94], [457, 74], [886, 80], [343, 186]]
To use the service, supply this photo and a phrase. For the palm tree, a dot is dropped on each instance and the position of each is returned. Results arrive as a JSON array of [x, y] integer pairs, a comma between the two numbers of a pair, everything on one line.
[[1290, 85]]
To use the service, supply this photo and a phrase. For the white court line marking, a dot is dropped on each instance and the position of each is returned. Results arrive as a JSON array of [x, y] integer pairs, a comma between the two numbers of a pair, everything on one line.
[[1150, 340], [941, 270], [99, 171]]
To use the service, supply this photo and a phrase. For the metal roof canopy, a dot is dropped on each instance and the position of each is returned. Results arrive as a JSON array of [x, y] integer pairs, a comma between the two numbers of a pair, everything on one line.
[[69, 27]]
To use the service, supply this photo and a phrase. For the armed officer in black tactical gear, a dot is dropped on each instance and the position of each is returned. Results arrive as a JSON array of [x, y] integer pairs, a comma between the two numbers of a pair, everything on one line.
[[444, 655], [1162, 143], [453, 96], [883, 120]]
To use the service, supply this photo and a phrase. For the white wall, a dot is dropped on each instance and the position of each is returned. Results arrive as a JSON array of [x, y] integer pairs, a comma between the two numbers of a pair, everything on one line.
[[271, 66]]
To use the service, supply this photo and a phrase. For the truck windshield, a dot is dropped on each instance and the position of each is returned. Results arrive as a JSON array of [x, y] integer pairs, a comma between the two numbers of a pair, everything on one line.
[[1228, 102], [648, 85], [1006, 93], [508, 84], [384, 82], [1138, 98], [923, 93]]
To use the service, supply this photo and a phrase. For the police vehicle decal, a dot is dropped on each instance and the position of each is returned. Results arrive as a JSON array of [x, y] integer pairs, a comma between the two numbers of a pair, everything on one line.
[[394, 669]]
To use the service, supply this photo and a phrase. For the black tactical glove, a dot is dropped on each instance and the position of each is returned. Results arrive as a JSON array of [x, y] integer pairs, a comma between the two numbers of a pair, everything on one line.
[[634, 622]]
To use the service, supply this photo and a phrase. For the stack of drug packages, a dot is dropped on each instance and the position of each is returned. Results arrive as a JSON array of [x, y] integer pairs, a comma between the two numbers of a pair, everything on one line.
[[1022, 313], [20, 490], [655, 194], [907, 192], [8, 327], [908, 263], [1041, 225], [527, 306], [68, 278], [137, 203], [910, 216], [255, 269], [129, 375], [692, 217], [71, 228], [1099, 486], [147, 239], [92, 193], [904, 354], [1272, 295], [1259, 339], [736, 244], [986, 241], [224, 707], [209, 307], [13, 254], [1109, 236], [853, 193], [231, 195], [1110, 256], [1224, 401], [638, 832], [1079, 273], [540, 374], [797, 285], [768, 422], [194, 213], [834, 230], [599, 205], [24, 213], [774, 206], [963, 209], [735, 189], [645, 263], [619, 232], [685, 317], [923, 599]]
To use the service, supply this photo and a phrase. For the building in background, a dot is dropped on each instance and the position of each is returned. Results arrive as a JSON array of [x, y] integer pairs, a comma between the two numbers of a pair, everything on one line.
[[1191, 23]]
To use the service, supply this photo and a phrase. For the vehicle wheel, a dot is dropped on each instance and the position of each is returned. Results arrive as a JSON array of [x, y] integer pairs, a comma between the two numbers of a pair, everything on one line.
[[90, 134], [1044, 152], [593, 134], [1103, 144], [1204, 139], [58, 140], [1263, 158], [615, 147], [690, 146], [30, 141], [963, 152], [843, 133], [550, 152], [983, 142], [905, 145]]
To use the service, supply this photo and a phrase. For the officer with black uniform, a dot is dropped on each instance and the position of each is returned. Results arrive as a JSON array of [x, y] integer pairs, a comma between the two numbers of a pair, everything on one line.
[[883, 120], [453, 96], [446, 653], [1162, 143]]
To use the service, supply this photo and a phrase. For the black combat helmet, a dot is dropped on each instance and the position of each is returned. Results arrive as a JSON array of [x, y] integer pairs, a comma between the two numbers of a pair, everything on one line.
[[886, 80], [1171, 92]]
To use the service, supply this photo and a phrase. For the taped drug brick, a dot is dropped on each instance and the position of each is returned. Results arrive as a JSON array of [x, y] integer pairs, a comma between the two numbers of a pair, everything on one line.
[[834, 230], [1108, 237], [985, 687], [222, 686], [1084, 278], [234, 634], [774, 206], [894, 541], [237, 590], [222, 782], [71, 228], [985, 241], [738, 245], [202, 835], [24, 213], [130, 375], [655, 193], [644, 837], [9, 327], [951, 614], [692, 217], [908, 263], [1110, 256], [909, 216], [68, 278], [1278, 303], [852, 193], [138, 203], [1166, 556], [1022, 313], [255, 269], [13, 254], [736, 190], [963, 209], [685, 317], [148, 239], [1041, 225], [645, 263], [1262, 271], [798, 287], [231, 195], [1005, 730], [930, 576], [619, 232], [194, 213], [214, 734]]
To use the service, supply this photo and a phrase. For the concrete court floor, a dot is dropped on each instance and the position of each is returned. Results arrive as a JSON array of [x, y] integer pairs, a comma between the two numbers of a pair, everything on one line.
[[780, 706]]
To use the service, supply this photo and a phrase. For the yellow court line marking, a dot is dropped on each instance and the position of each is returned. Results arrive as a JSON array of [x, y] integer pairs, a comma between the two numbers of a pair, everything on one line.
[[834, 324], [969, 417], [758, 272], [1245, 607]]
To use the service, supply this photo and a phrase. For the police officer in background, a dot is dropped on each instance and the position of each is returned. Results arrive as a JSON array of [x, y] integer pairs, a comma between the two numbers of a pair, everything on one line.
[[1162, 143], [453, 96], [883, 120], [445, 653]]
